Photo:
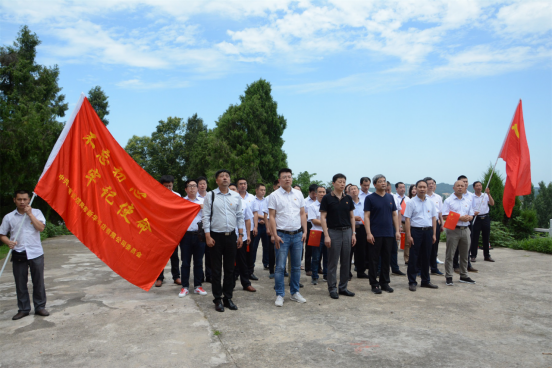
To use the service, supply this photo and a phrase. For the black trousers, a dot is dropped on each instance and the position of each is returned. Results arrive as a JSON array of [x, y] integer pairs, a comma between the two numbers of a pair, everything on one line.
[[455, 263], [207, 264], [21, 268], [241, 269], [308, 250], [483, 226], [420, 253], [175, 266], [223, 255], [380, 249], [252, 255], [434, 249], [360, 250]]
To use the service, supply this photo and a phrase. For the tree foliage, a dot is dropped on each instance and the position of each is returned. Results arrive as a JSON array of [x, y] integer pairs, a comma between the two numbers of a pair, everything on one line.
[[304, 179], [98, 100], [543, 204], [195, 140], [30, 104], [248, 137], [496, 187]]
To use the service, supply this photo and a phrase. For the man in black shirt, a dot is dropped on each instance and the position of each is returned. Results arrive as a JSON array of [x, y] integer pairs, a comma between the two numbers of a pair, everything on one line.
[[337, 216]]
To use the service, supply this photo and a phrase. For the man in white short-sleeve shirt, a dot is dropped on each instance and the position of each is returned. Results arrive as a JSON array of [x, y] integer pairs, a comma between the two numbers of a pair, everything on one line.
[[27, 253]]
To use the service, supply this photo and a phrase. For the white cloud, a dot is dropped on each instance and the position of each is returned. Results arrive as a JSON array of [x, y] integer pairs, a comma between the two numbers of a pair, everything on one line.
[[138, 84], [528, 17]]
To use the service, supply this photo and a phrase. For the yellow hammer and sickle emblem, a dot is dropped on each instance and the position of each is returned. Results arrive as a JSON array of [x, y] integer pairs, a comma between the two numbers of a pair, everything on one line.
[[515, 128]]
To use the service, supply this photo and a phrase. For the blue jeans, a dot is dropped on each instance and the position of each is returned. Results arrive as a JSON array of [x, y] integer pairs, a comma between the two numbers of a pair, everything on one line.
[[190, 246], [294, 246], [317, 253]]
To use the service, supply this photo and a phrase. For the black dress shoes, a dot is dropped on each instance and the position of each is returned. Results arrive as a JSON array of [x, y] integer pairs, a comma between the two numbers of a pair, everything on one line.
[[364, 275], [334, 295], [398, 272], [376, 290], [429, 285], [219, 307], [42, 312], [20, 315], [253, 277], [346, 293], [387, 288], [230, 305]]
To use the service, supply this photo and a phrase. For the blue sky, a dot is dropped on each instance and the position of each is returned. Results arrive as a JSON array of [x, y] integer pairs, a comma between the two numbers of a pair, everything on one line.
[[403, 88]]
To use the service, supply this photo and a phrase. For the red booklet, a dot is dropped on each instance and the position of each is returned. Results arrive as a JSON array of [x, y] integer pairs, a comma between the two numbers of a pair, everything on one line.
[[314, 238], [452, 220]]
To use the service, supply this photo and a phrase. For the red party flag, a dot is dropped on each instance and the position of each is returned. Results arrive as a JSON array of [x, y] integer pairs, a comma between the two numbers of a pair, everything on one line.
[[452, 220], [403, 206], [314, 238], [113, 206], [515, 153]]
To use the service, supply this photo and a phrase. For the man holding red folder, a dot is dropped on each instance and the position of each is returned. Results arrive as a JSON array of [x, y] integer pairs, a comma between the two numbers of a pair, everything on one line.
[[459, 207], [317, 234]]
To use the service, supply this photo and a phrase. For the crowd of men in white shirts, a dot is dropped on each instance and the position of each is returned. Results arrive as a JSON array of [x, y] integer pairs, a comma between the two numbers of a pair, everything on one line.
[[345, 221]]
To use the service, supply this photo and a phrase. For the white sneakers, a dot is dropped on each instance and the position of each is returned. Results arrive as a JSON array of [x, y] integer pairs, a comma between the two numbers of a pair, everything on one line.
[[279, 301], [297, 298], [199, 290], [439, 261]]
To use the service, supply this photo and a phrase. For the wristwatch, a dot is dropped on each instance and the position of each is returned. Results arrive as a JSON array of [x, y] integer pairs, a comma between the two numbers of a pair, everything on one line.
[[240, 234], [354, 232]]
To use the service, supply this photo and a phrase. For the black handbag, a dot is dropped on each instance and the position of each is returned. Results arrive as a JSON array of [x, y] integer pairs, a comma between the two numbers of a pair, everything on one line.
[[200, 230]]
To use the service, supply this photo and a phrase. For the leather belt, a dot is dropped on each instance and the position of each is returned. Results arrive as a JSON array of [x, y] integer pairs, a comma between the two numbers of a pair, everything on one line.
[[291, 233], [483, 216], [340, 228], [461, 227], [192, 233], [423, 228], [225, 233]]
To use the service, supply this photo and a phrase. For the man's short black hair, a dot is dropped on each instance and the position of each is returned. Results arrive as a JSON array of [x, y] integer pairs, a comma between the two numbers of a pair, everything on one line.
[[397, 184], [233, 184], [364, 179], [21, 192], [167, 178], [221, 171], [297, 186], [353, 185], [318, 186], [476, 182], [313, 187], [258, 185], [199, 179], [276, 182], [462, 177], [241, 179], [190, 180], [389, 183], [284, 170], [421, 180], [338, 176], [429, 179]]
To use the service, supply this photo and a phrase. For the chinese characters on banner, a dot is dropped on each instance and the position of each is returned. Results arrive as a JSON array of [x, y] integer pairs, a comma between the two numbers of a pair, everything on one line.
[[121, 213]]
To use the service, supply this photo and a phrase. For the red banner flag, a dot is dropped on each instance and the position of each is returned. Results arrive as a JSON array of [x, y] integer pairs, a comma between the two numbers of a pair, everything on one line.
[[515, 153], [452, 220], [121, 213]]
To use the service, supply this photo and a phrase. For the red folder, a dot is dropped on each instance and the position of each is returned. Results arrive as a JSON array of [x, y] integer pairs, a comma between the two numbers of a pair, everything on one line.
[[452, 220], [314, 238]]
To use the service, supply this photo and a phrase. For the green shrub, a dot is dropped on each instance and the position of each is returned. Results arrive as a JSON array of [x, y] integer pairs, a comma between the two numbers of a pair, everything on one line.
[[4, 249], [500, 235], [53, 230], [443, 237], [539, 244], [522, 225]]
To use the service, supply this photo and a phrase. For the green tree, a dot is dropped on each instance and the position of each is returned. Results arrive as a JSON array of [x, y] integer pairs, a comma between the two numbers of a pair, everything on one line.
[[304, 179], [496, 187], [98, 100], [248, 137], [527, 201], [195, 142], [30, 104], [543, 204], [139, 148]]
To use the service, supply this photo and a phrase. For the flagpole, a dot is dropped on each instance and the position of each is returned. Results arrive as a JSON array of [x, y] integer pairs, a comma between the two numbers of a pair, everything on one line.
[[16, 235], [496, 162]]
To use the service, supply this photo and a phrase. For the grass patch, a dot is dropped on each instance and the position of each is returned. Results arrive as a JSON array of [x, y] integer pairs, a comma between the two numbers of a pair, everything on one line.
[[540, 244], [217, 333], [4, 249]]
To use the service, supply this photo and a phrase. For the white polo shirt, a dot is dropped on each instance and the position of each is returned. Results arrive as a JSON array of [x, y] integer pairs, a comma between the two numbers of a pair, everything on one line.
[[461, 206], [314, 213], [247, 215], [193, 226], [308, 202], [421, 212], [29, 237], [260, 206], [359, 210], [437, 201], [363, 195], [480, 203], [398, 201], [288, 208]]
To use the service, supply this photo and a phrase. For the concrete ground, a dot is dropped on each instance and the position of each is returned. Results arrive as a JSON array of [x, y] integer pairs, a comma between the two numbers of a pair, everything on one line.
[[100, 320]]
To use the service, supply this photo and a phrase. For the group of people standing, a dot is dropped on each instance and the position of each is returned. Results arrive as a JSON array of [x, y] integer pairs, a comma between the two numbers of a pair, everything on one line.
[[349, 220]]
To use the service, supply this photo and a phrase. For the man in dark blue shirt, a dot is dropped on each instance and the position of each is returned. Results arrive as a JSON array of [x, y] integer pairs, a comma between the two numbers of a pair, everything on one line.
[[380, 214]]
